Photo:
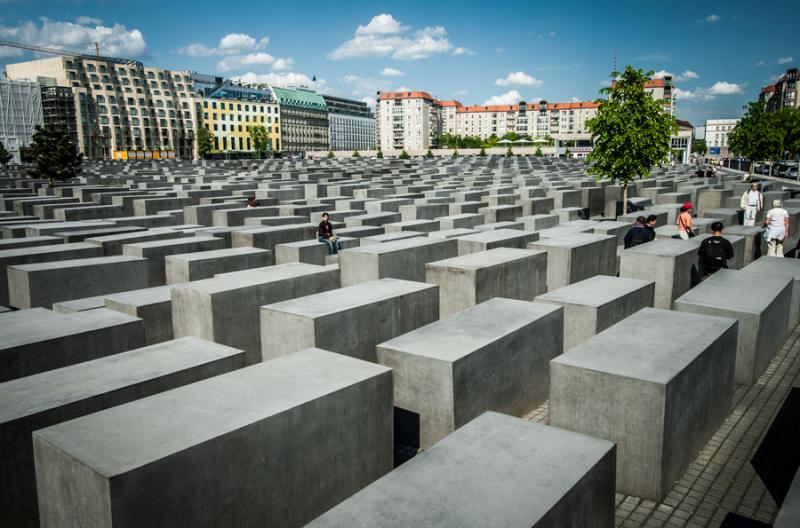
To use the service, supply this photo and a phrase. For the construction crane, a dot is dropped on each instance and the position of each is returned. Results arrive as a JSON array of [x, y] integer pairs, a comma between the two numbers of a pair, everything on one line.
[[43, 49]]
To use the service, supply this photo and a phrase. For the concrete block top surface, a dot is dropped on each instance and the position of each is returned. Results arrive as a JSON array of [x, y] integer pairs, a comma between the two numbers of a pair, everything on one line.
[[497, 234], [42, 250], [253, 277], [56, 388], [398, 245], [466, 331], [484, 259], [169, 242], [573, 239], [775, 266], [663, 248], [496, 470], [652, 345], [156, 294], [347, 298], [77, 263], [594, 291], [56, 327], [217, 253], [724, 290], [135, 434]]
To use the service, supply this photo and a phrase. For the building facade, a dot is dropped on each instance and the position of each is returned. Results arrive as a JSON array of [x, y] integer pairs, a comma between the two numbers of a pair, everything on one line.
[[565, 121], [407, 121], [784, 93], [230, 111], [449, 112], [121, 105], [20, 113], [58, 110], [717, 131], [351, 124], [303, 119]]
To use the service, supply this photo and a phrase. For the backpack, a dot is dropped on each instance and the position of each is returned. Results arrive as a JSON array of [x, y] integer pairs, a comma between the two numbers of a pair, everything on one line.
[[714, 252], [638, 237]]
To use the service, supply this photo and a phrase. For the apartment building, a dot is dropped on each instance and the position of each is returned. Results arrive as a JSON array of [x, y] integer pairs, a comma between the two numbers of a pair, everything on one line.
[[784, 93], [407, 120], [231, 110], [120, 104], [351, 124], [20, 113], [717, 131], [303, 118], [449, 113], [566, 120]]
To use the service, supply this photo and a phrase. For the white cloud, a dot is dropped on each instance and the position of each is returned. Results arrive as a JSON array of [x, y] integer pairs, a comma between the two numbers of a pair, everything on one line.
[[762, 63], [463, 51], [359, 87], [575, 100], [384, 36], [116, 40], [283, 64], [551, 34], [369, 100], [402, 88], [508, 98], [281, 79], [459, 93], [88, 21], [518, 79], [239, 62], [785, 60], [383, 24], [689, 95], [196, 49], [391, 72], [234, 43], [712, 18], [725, 88], [685, 76]]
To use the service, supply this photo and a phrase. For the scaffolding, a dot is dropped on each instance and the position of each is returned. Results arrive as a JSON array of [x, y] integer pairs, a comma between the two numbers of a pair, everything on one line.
[[58, 110], [20, 112]]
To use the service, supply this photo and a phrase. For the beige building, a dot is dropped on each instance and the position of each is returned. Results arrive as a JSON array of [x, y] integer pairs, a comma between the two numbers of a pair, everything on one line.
[[784, 93], [407, 121], [717, 131], [120, 104], [449, 112]]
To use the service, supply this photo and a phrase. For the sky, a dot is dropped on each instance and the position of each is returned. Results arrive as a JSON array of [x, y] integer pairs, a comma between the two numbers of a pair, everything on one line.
[[720, 54]]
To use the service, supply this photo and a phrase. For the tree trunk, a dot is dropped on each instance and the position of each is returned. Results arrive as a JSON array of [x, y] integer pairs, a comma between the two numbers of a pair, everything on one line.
[[625, 198]]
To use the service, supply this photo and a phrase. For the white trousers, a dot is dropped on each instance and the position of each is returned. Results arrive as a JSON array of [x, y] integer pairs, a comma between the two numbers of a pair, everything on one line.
[[775, 247], [750, 214]]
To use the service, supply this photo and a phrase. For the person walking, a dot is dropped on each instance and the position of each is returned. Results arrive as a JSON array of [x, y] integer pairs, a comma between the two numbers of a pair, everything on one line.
[[752, 202], [638, 234], [326, 236], [714, 252], [685, 222], [777, 224]]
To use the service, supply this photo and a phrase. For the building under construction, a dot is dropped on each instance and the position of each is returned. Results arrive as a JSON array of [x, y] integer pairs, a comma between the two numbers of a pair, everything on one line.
[[58, 110]]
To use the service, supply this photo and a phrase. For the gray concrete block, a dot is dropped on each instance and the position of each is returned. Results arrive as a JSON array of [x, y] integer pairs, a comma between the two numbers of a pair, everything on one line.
[[33, 346], [763, 314], [46, 283], [270, 236], [477, 277], [275, 444], [391, 237], [350, 320], [538, 222], [52, 397], [402, 259], [425, 226], [485, 240], [495, 471], [783, 267], [80, 305], [309, 251], [789, 513], [453, 233], [225, 309], [112, 244], [658, 384], [464, 220], [156, 252], [36, 254], [492, 356], [576, 257], [151, 305], [205, 264], [667, 262], [17, 243], [596, 303]]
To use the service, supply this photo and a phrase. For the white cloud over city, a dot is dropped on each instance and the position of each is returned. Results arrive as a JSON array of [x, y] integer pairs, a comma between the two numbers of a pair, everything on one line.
[[518, 79], [281, 79], [391, 72], [508, 98], [709, 94], [385, 36], [115, 40], [239, 52], [687, 75]]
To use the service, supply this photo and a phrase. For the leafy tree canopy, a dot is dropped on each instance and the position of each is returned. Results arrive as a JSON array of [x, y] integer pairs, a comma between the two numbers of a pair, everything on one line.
[[55, 156], [205, 142], [5, 156]]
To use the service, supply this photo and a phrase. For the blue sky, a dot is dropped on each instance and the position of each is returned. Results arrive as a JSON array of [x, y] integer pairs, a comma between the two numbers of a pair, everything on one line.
[[719, 53]]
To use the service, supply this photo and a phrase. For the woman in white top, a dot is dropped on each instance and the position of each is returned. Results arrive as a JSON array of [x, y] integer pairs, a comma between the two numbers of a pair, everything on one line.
[[777, 224]]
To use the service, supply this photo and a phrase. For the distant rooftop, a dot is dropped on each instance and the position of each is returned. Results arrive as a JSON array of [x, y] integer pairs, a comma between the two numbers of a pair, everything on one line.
[[300, 98]]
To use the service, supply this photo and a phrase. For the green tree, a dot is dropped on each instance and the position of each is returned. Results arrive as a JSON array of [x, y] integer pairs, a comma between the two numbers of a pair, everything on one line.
[[261, 140], [756, 135], [538, 152], [455, 153], [356, 154], [482, 153], [567, 153], [5, 156], [205, 142], [631, 131], [509, 153], [55, 156], [404, 155], [491, 141], [380, 154], [788, 120], [429, 154], [699, 146], [331, 154]]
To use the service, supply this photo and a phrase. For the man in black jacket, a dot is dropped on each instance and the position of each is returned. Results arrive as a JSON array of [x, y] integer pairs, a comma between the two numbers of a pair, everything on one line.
[[638, 234], [715, 251], [326, 235]]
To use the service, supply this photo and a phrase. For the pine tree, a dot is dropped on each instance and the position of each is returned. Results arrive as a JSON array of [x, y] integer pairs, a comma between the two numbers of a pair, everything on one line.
[[404, 155], [5, 156], [55, 156]]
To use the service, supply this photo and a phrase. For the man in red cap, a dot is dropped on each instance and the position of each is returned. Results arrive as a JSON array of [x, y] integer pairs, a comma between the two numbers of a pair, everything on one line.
[[684, 222]]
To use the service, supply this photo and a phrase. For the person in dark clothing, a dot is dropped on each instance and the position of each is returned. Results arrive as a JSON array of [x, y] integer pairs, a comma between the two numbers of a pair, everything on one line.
[[638, 234], [650, 225], [326, 235], [715, 251]]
